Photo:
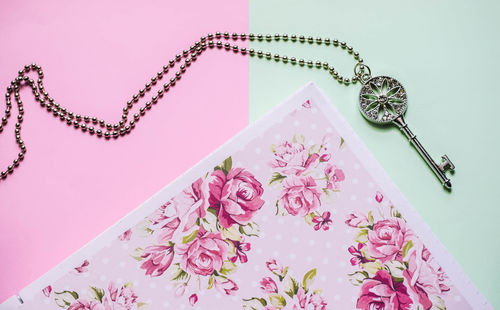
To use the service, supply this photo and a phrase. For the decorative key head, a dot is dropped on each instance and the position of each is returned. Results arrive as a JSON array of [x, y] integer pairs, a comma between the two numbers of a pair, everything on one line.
[[382, 99]]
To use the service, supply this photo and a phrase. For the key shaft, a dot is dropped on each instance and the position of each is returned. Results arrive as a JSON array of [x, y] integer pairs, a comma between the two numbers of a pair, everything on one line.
[[438, 171]]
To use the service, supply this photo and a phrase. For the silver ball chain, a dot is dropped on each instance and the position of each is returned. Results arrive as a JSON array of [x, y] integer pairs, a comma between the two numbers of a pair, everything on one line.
[[102, 129]]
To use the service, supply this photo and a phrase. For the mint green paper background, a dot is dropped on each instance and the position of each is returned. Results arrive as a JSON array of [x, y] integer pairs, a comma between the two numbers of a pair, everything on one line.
[[445, 53]]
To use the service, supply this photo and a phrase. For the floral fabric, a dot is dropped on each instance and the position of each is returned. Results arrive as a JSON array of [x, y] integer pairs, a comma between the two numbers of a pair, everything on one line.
[[290, 219]]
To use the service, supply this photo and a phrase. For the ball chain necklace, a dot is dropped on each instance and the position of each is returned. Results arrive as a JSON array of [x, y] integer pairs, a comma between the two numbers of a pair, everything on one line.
[[382, 99]]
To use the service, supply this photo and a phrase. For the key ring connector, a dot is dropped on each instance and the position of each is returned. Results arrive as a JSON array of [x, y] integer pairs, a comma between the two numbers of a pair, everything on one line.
[[362, 72]]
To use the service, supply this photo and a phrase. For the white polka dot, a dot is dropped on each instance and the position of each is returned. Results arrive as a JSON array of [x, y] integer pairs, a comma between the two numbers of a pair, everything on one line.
[[293, 256], [218, 296], [340, 163], [371, 185], [329, 129], [46, 301], [119, 280], [255, 284], [102, 278], [125, 246], [340, 280], [256, 267], [168, 287], [355, 181], [276, 254], [297, 223], [183, 306], [278, 237], [259, 251], [122, 264], [336, 297], [235, 298], [328, 245], [281, 221], [314, 126], [265, 218], [166, 304], [357, 166], [256, 167], [312, 242], [325, 260], [323, 278], [238, 164], [353, 197], [296, 123], [309, 259], [105, 260], [457, 298], [342, 264], [314, 110], [202, 292], [277, 136], [152, 285], [258, 150], [295, 240]]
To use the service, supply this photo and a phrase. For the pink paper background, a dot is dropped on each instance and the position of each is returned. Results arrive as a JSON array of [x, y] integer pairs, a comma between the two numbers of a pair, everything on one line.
[[95, 55]]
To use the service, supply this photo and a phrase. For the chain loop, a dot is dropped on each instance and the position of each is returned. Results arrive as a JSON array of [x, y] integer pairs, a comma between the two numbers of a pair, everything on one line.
[[107, 130]]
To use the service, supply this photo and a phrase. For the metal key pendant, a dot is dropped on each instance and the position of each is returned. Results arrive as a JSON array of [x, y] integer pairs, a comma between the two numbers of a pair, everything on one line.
[[382, 100]]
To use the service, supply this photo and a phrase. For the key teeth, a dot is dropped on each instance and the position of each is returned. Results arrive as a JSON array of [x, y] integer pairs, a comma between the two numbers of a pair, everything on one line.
[[446, 164]]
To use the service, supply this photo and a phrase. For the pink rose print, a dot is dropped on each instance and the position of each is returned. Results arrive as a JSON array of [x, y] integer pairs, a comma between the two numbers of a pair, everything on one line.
[[159, 258], [82, 304], [203, 255], [356, 220], [305, 174], [114, 298], [282, 295], [386, 239], [193, 299], [335, 176], [322, 221], [84, 267], [202, 234], [47, 290], [126, 235], [276, 268], [382, 293], [405, 274], [268, 286], [227, 286], [293, 158], [300, 195], [122, 297], [235, 196], [307, 104], [240, 248]]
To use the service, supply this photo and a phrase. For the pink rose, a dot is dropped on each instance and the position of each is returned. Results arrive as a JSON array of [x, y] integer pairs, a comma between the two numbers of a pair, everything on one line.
[[268, 286], [82, 304], [379, 197], [318, 302], [126, 235], [382, 293], [302, 297], [235, 196], [159, 259], [180, 213], [84, 267], [203, 255], [424, 275], [293, 158], [356, 220], [240, 248], [300, 195], [47, 290], [119, 298], [334, 176], [193, 299], [180, 289], [276, 268], [227, 286], [387, 238]]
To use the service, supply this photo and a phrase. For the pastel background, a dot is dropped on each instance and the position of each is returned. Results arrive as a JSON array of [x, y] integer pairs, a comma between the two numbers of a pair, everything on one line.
[[71, 186], [95, 55], [445, 53]]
